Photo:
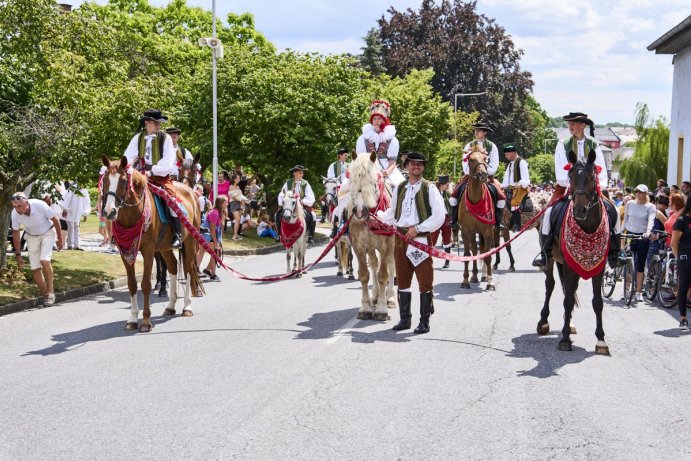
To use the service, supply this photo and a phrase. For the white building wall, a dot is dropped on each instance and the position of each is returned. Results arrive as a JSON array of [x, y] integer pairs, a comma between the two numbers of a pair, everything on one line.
[[681, 117]]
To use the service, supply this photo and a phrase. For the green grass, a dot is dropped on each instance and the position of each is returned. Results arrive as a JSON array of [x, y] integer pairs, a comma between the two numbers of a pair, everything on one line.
[[73, 269]]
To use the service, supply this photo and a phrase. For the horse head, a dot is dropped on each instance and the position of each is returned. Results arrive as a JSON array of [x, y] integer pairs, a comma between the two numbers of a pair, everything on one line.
[[116, 190], [477, 164], [330, 186], [364, 187], [583, 184], [291, 208]]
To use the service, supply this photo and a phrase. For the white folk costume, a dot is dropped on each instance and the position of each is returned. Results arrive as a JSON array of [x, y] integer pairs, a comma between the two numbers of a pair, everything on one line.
[[421, 206], [77, 204], [303, 190], [383, 143], [337, 170]]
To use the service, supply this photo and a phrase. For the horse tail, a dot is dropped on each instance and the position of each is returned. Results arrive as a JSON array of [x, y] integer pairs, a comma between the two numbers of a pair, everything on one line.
[[193, 270]]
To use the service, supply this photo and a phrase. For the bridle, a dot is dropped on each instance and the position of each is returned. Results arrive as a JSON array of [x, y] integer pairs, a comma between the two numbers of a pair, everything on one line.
[[474, 173], [593, 200], [291, 210], [121, 202]]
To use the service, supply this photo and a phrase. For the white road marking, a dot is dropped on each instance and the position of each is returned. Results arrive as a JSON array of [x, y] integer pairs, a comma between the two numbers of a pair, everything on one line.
[[342, 332]]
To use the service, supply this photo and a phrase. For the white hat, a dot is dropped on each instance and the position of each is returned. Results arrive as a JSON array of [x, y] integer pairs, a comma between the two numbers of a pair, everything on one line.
[[641, 188]]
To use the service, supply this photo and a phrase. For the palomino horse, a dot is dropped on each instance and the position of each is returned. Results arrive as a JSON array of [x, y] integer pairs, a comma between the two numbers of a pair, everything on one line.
[[587, 211], [293, 217], [367, 192], [128, 207], [539, 202], [476, 194]]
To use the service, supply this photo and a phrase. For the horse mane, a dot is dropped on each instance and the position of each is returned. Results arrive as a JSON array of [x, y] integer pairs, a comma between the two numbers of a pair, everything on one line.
[[363, 182]]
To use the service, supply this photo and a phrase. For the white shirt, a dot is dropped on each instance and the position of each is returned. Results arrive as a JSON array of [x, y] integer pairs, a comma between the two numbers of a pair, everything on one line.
[[492, 162], [307, 200], [39, 220], [75, 204], [388, 134], [524, 181], [331, 173], [639, 218], [560, 161], [187, 154], [409, 216], [166, 164]]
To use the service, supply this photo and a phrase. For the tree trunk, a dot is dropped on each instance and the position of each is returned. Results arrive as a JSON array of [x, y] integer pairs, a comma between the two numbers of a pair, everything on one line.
[[5, 216]]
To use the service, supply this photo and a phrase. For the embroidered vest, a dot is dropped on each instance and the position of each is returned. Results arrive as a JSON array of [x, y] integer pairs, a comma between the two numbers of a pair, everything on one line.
[[571, 144], [337, 167], [290, 187], [422, 205], [447, 205], [487, 144], [380, 151], [517, 169], [156, 146]]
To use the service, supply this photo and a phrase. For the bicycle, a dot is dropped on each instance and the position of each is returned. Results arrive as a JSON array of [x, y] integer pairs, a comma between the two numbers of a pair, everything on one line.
[[628, 270], [668, 282], [655, 268]]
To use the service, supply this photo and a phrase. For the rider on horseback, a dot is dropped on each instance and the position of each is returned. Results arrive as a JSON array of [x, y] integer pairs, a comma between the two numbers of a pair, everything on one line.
[[581, 145], [337, 170], [151, 152], [299, 186], [181, 154], [480, 142], [517, 181], [379, 136]]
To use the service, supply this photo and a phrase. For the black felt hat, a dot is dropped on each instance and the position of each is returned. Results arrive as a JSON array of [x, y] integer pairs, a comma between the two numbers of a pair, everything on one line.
[[154, 115], [342, 150], [297, 168], [482, 126], [414, 157], [578, 117], [173, 129], [510, 147], [443, 179]]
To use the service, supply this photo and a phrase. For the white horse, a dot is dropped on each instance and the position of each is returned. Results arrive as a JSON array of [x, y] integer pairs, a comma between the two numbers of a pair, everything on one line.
[[364, 198], [292, 214]]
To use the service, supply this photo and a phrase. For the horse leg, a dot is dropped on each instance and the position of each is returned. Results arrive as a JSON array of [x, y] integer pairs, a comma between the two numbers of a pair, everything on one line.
[[601, 346], [570, 286], [288, 260], [365, 312], [340, 257], [497, 258], [373, 268], [466, 252], [146, 325], [391, 297], [473, 251], [488, 267], [134, 305], [188, 264], [172, 263], [543, 324], [380, 309], [507, 237]]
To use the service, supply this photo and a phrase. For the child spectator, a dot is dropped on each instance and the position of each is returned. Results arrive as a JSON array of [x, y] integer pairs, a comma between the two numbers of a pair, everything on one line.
[[265, 227]]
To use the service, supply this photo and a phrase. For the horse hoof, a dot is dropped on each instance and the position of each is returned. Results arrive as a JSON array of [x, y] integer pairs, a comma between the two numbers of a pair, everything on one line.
[[512, 269], [351, 277], [465, 285], [381, 316], [495, 267], [483, 279], [491, 288], [602, 350], [364, 316], [391, 304], [187, 313], [564, 345], [169, 311], [143, 328], [339, 274], [573, 330], [473, 280], [131, 326], [375, 301], [299, 275], [542, 329]]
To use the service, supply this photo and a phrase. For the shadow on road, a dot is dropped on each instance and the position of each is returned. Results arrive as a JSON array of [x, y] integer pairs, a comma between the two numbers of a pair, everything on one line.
[[672, 333], [447, 291], [543, 349], [65, 342], [325, 281], [324, 325]]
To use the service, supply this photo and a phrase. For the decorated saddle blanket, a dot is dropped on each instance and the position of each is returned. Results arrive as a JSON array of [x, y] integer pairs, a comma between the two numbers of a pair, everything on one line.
[[290, 233], [586, 254], [484, 209], [164, 211]]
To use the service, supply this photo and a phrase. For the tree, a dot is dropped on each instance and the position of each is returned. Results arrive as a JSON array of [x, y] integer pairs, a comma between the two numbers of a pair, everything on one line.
[[468, 52], [450, 149], [371, 57], [541, 168], [649, 161]]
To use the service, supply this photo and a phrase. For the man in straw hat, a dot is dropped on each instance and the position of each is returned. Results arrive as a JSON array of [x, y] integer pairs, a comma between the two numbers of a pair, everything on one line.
[[485, 145], [298, 185], [517, 181], [417, 209], [379, 136], [581, 145], [151, 151]]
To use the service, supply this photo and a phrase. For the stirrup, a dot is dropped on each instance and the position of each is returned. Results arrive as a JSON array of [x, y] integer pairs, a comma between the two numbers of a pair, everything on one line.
[[177, 242], [540, 260]]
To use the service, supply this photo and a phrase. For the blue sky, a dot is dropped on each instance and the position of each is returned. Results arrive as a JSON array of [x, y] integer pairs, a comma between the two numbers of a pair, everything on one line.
[[586, 55]]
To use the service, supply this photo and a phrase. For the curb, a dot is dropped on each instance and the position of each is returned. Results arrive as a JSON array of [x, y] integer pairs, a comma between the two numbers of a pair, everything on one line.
[[36, 303]]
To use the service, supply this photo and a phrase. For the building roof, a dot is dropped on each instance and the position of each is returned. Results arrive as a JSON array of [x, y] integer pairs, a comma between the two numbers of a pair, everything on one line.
[[601, 134], [675, 40]]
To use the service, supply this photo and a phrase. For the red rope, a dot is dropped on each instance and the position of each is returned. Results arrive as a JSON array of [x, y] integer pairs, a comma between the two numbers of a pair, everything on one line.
[[129, 239]]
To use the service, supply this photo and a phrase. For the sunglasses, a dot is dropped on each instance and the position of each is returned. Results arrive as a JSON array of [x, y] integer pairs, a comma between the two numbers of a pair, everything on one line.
[[17, 197]]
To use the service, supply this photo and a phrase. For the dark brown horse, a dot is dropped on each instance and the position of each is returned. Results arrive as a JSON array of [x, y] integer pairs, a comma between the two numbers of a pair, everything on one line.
[[470, 225], [126, 206], [587, 211]]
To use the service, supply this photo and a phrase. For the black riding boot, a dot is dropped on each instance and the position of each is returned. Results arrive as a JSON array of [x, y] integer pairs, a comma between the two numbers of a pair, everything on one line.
[[446, 261], [453, 218], [334, 229], [404, 298], [515, 220], [426, 309], [311, 228], [177, 229], [499, 213], [277, 220], [546, 251]]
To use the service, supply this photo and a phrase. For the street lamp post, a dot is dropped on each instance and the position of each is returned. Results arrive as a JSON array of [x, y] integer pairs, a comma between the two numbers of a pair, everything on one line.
[[215, 115], [455, 134]]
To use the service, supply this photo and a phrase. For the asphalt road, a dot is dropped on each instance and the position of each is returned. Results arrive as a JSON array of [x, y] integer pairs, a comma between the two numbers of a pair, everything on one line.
[[285, 371]]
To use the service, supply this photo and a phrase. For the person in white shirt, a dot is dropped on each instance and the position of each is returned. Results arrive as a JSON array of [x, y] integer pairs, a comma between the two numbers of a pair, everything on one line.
[[417, 209], [337, 170], [379, 136], [581, 145], [298, 185], [181, 154], [75, 205], [517, 181], [40, 226], [151, 151]]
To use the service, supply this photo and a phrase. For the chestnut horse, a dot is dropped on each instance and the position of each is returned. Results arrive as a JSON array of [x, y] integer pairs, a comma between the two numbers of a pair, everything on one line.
[[470, 225], [126, 206]]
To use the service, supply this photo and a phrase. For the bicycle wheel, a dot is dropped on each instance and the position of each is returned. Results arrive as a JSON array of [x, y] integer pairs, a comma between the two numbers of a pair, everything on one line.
[[651, 280], [629, 282], [667, 289], [609, 281]]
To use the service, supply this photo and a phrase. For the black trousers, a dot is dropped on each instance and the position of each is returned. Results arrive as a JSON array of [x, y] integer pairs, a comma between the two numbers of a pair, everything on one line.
[[684, 274]]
